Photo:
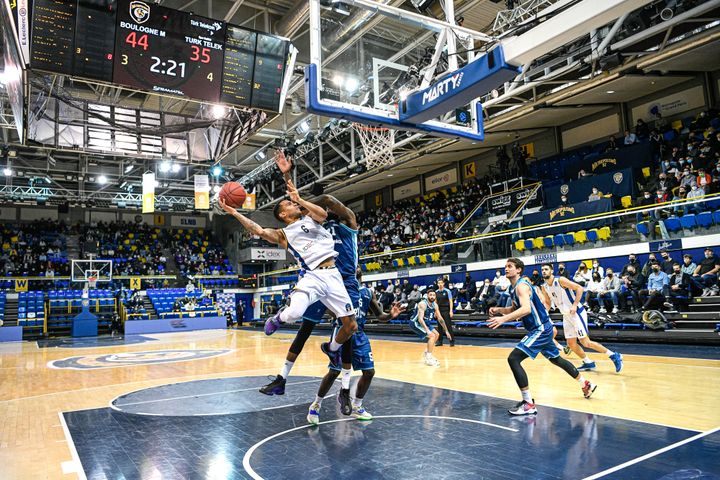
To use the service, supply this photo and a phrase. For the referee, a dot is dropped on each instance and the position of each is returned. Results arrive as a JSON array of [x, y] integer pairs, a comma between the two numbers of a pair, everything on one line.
[[445, 304]]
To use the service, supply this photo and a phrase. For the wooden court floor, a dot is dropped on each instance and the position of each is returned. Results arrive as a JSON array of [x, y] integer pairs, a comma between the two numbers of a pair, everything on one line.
[[671, 391]]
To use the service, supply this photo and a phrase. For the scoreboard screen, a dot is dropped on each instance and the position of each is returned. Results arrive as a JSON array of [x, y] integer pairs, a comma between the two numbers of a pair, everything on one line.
[[167, 51], [158, 49]]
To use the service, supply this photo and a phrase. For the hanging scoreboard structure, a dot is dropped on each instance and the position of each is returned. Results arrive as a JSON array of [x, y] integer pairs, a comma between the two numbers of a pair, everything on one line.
[[157, 49]]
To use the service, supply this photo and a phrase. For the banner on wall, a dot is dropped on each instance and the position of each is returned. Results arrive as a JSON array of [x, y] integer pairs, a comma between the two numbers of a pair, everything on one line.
[[575, 210], [469, 170], [378, 199], [670, 105], [202, 192], [148, 193], [21, 285], [250, 201], [135, 283], [619, 183], [159, 220], [408, 190], [634, 156], [187, 221], [267, 254], [511, 201], [440, 179]]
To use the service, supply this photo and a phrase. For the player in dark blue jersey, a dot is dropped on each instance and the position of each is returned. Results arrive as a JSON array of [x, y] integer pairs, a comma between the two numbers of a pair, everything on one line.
[[529, 308], [342, 224], [362, 358]]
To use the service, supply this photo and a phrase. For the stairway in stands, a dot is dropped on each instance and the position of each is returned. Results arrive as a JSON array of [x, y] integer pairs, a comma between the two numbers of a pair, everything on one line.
[[703, 316], [11, 312], [171, 267], [149, 308]]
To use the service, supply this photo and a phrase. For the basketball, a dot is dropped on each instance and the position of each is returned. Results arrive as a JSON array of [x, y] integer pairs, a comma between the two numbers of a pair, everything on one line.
[[233, 194]]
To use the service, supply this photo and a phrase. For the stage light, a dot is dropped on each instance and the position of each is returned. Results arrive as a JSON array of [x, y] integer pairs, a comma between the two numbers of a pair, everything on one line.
[[102, 180], [175, 167], [351, 84], [218, 111], [216, 171], [165, 166], [7, 171]]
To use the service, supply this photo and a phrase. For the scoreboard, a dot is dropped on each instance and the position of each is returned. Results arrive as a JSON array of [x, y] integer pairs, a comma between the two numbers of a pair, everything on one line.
[[158, 49]]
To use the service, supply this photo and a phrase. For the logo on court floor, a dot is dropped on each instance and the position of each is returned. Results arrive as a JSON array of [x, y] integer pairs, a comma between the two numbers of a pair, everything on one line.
[[129, 359]]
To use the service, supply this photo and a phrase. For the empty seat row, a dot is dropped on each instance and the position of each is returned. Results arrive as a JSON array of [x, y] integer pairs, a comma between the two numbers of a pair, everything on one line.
[[562, 239]]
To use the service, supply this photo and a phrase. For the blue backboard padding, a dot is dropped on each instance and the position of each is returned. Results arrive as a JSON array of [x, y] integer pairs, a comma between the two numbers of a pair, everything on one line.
[[458, 88], [316, 106]]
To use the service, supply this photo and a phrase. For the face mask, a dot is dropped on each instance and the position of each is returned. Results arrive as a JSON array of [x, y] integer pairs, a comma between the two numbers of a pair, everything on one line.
[[660, 195], [647, 196], [694, 187], [595, 190]]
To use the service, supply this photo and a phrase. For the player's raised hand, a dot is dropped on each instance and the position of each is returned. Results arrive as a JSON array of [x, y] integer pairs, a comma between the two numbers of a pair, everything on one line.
[[396, 310], [283, 163], [292, 191], [226, 207]]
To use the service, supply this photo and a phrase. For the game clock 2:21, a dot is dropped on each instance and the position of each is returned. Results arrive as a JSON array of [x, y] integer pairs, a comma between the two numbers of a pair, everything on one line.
[[168, 51]]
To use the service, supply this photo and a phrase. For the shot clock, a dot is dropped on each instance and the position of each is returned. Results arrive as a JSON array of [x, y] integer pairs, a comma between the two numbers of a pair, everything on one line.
[[168, 51]]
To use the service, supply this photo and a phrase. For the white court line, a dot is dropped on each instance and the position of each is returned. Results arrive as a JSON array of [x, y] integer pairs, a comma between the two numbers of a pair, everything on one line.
[[295, 404], [574, 410], [251, 450], [73, 451], [189, 396], [651, 454]]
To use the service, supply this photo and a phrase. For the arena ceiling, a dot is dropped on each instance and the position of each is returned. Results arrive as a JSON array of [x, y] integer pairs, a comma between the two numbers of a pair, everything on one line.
[[560, 88]]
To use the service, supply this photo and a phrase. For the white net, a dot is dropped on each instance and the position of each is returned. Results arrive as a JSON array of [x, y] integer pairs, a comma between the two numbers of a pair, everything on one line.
[[377, 143], [92, 277]]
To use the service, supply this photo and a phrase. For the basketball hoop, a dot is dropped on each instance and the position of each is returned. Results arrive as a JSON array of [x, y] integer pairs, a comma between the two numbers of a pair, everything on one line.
[[377, 143], [92, 277]]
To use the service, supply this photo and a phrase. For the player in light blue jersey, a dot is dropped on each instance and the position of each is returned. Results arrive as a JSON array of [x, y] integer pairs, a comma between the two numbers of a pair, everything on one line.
[[530, 310], [425, 310], [342, 225], [362, 358]]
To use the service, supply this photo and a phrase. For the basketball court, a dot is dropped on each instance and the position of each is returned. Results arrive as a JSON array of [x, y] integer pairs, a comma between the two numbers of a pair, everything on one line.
[[185, 404]]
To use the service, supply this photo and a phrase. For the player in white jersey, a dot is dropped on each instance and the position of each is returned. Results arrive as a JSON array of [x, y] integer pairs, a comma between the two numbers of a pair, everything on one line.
[[566, 296], [314, 249]]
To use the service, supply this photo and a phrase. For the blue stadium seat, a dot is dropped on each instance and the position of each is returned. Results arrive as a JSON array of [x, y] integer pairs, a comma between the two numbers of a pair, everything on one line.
[[528, 244], [672, 224], [688, 221], [548, 241], [592, 235], [643, 229], [716, 217], [704, 219], [559, 240], [569, 239]]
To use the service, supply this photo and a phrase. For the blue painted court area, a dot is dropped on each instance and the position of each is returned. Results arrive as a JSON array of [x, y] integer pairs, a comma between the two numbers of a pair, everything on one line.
[[224, 428]]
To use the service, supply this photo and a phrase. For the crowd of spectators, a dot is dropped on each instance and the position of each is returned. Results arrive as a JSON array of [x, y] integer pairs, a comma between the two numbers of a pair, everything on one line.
[[34, 249], [39, 248], [410, 222]]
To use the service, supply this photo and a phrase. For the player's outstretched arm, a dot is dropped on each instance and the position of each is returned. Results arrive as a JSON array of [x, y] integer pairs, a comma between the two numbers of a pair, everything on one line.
[[345, 215], [381, 315], [270, 234], [284, 164], [523, 294], [316, 212]]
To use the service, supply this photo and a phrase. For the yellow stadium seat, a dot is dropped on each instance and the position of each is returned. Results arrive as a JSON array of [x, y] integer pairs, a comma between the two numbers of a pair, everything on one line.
[[626, 201], [646, 172], [538, 242], [520, 245], [581, 236], [677, 125], [411, 260], [588, 264], [423, 259], [401, 262], [604, 233], [435, 256]]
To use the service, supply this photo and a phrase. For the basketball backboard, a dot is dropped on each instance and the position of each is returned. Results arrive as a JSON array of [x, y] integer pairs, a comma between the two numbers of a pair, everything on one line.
[[83, 271], [429, 83]]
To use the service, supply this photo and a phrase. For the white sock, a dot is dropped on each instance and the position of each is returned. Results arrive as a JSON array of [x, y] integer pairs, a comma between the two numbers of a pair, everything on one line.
[[581, 380], [335, 346], [357, 402], [587, 359], [345, 380], [287, 366], [526, 396], [609, 353], [318, 400]]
